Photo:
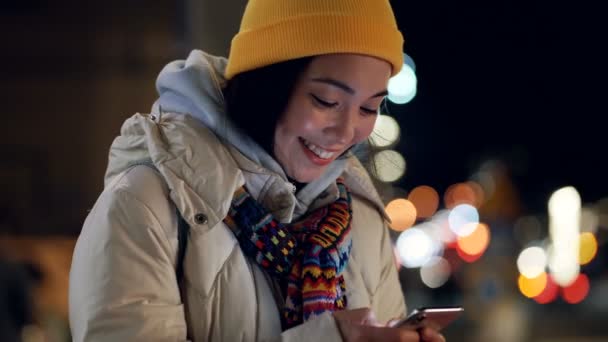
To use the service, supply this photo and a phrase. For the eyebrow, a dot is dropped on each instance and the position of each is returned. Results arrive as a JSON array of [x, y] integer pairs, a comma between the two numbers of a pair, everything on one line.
[[343, 86]]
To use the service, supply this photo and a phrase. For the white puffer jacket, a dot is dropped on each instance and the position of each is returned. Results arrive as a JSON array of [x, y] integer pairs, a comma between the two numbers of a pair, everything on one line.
[[123, 284]]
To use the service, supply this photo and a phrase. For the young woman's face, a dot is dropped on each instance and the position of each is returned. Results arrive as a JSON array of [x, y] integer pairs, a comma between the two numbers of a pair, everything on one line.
[[333, 106]]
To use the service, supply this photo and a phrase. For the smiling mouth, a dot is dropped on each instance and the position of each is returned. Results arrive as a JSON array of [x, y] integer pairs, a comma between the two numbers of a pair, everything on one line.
[[318, 151]]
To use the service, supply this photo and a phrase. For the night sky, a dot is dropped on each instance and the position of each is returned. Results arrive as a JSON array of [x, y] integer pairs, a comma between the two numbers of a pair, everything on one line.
[[516, 80]]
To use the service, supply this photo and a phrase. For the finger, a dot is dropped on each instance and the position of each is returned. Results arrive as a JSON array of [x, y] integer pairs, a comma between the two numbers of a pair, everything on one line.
[[364, 316], [431, 335], [370, 319], [392, 322], [369, 333], [355, 316]]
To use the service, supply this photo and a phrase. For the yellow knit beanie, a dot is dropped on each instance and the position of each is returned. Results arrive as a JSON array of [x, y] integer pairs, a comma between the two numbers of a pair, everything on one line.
[[274, 31]]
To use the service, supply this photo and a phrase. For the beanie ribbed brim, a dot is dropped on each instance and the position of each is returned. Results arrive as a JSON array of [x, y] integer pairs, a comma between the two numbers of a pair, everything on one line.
[[306, 36]]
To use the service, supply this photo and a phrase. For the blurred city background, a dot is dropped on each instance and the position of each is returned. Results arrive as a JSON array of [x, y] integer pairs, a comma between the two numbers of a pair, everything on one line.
[[489, 154]]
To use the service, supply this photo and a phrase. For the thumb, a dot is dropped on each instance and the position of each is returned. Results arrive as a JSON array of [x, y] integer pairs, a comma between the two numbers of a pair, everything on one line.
[[393, 322]]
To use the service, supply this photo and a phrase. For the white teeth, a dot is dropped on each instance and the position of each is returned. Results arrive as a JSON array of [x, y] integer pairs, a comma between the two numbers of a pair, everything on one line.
[[321, 153]]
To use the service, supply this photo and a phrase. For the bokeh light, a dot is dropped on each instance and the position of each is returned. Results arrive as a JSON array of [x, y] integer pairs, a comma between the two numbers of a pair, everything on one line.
[[386, 131], [435, 272], [565, 273], [402, 87], [532, 287], [434, 232], [564, 222], [565, 199], [441, 227], [426, 200], [577, 291], [550, 292], [588, 248], [463, 193], [415, 247], [402, 214], [532, 261], [476, 242], [463, 219], [389, 165], [469, 258]]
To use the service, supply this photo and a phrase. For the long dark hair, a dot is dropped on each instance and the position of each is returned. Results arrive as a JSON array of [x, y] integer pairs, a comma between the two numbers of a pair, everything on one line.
[[256, 99]]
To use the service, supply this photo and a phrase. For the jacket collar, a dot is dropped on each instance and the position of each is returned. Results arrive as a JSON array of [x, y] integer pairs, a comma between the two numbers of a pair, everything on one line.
[[202, 173]]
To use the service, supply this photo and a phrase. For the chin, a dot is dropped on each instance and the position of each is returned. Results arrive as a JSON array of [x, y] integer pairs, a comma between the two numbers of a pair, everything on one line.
[[307, 177]]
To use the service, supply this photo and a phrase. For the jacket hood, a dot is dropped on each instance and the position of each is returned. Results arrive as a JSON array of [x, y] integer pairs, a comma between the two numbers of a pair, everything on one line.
[[194, 86]]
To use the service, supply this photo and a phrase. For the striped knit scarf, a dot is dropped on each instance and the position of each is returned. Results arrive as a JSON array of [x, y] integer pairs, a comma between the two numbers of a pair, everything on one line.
[[309, 255]]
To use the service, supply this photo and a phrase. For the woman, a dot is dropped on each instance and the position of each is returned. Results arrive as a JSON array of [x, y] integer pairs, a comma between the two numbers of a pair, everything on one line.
[[286, 239]]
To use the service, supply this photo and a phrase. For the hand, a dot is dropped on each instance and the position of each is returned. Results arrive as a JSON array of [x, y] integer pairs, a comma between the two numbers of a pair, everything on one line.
[[426, 334], [430, 335], [361, 325]]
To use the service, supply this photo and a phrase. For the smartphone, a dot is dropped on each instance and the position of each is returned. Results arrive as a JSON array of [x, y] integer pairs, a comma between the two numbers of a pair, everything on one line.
[[433, 317]]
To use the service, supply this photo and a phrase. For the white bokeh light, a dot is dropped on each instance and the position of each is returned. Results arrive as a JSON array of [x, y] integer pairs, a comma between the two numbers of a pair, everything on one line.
[[463, 219], [415, 247], [386, 131], [402, 88], [442, 226], [531, 262], [390, 165], [435, 272], [564, 228], [435, 232]]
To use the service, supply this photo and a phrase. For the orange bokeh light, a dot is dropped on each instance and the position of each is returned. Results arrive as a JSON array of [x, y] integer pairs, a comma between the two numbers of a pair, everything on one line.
[[459, 193], [532, 287], [476, 242], [588, 248], [577, 291], [402, 214], [426, 200]]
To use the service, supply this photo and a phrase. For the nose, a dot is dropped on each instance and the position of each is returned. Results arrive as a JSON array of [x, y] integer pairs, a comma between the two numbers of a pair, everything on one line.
[[343, 128]]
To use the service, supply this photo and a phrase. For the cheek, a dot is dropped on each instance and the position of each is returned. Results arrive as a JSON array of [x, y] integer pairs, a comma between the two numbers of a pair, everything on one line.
[[303, 122], [281, 138], [285, 141], [366, 128]]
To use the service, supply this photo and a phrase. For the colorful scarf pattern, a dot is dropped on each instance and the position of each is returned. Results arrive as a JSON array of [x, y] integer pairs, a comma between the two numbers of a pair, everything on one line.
[[309, 255]]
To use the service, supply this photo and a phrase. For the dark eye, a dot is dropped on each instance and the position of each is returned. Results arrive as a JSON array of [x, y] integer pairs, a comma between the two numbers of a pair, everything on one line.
[[323, 103]]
